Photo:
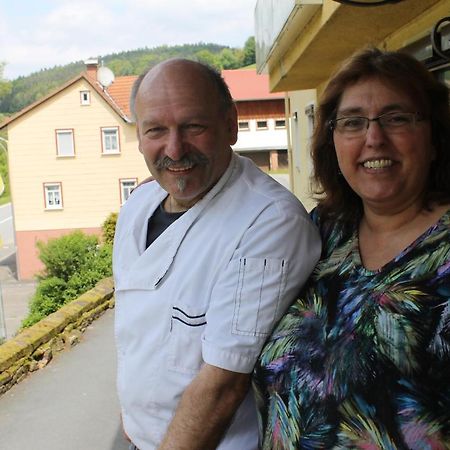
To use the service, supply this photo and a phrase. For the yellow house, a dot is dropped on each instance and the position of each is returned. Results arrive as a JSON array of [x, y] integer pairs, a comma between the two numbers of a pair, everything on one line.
[[73, 155], [301, 42], [73, 160]]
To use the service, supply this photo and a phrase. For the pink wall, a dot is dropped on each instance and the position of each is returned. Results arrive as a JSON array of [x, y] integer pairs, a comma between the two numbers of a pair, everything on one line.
[[28, 263]]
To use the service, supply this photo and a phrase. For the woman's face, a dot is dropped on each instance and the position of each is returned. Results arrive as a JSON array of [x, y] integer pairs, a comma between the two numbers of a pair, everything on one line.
[[388, 169]]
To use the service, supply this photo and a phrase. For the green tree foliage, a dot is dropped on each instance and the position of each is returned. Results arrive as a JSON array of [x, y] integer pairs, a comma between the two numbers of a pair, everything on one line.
[[4, 172], [73, 264], [6, 196], [5, 86], [249, 56], [209, 58], [19, 93], [109, 228], [230, 59], [26, 90]]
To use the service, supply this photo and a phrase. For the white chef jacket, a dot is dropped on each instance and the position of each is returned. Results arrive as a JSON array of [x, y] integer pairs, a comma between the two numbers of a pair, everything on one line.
[[209, 289]]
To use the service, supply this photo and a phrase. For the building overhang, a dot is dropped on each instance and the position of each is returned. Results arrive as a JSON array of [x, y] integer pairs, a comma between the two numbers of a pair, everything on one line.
[[311, 37]]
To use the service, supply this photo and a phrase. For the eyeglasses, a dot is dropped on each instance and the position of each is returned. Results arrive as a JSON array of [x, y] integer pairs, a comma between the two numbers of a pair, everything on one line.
[[393, 122]]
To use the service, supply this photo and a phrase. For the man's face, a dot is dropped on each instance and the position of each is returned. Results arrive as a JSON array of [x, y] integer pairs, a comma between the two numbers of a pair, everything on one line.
[[183, 132]]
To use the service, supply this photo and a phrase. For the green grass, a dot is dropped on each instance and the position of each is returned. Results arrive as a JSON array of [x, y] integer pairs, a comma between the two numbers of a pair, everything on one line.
[[4, 199]]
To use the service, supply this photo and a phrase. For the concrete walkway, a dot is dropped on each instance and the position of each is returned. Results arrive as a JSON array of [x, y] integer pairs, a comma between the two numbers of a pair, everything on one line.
[[15, 295], [69, 405]]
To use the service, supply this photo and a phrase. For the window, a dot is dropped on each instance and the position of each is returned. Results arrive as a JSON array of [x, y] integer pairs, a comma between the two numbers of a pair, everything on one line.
[[110, 140], [85, 98], [53, 195], [126, 187], [243, 125], [280, 123], [261, 124], [64, 143]]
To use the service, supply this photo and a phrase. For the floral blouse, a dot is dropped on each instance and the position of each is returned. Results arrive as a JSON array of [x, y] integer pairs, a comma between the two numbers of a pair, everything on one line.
[[362, 359]]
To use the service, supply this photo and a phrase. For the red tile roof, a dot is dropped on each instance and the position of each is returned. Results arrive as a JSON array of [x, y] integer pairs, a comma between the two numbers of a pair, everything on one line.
[[246, 84], [120, 91]]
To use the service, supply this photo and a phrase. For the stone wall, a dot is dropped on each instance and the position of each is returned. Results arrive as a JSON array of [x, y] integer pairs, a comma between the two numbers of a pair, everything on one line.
[[34, 347]]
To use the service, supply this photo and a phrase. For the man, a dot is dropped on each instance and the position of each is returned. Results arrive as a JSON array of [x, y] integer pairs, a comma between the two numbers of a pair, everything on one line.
[[206, 259]]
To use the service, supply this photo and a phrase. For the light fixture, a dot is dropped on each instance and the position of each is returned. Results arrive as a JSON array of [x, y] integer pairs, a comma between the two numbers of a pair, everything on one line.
[[436, 39], [367, 2]]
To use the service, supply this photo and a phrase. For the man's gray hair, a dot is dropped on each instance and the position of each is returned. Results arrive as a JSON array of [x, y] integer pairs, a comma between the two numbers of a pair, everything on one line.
[[226, 100]]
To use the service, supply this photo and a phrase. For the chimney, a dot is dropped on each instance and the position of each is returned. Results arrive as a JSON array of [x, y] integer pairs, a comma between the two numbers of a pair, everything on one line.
[[91, 67]]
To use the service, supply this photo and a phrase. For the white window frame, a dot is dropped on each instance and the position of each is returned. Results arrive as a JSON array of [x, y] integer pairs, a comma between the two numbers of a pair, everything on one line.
[[53, 196], [85, 98], [106, 141], [262, 127], [61, 150], [243, 125], [279, 127], [126, 188]]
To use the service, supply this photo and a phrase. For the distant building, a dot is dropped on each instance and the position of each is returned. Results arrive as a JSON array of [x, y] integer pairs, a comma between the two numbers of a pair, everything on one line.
[[74, 159], [262, 122]]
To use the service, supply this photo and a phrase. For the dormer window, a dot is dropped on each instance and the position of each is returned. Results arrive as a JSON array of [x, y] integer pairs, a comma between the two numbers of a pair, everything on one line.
[[85, 98]]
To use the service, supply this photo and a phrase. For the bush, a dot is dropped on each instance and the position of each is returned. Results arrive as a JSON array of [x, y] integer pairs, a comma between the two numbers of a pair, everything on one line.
[[49, 297], [64, 256], [109, 228], [73, 264]]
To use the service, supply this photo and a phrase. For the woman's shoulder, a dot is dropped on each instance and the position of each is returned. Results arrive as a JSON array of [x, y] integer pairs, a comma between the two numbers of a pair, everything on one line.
[[333, 231]]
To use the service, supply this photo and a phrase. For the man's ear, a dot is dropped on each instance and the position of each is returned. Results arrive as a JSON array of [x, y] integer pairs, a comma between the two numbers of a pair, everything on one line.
[[138, 137], [232, 124]]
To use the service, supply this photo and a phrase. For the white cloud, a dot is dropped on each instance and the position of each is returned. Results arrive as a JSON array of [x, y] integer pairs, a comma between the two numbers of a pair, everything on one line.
[[61, 31]]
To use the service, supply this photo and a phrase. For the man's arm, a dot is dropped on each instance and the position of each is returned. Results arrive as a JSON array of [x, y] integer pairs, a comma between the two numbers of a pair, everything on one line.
[[206, 409]]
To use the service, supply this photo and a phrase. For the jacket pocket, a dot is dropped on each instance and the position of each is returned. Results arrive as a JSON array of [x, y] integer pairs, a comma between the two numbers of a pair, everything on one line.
[[261, 285], [185, 342]]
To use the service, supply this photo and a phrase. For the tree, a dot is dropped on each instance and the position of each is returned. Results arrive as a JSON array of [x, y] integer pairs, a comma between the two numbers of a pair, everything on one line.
[[249, 52], [229, 59], [5, 86], [206, 57], [121, 67]]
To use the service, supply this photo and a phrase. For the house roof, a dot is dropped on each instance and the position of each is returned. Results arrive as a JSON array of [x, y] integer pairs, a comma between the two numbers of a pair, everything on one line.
[[244, 84], [116, 106], [120, 91]]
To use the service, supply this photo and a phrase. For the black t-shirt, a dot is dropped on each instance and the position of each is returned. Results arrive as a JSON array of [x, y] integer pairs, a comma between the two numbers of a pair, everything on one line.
[[158, 222]]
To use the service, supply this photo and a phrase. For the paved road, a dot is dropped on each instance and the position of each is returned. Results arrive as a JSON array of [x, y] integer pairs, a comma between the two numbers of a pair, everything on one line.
[[6, 226], [69, 405]]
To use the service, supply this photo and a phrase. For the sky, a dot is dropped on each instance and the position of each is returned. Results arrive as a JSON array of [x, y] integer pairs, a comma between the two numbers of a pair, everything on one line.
[[39, 34]]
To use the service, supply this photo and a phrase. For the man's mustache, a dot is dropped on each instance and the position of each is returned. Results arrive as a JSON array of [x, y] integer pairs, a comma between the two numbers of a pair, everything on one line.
[[186, 161]]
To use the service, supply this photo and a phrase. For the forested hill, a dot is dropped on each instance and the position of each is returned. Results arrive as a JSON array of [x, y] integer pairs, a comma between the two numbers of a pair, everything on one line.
[[19, 93]]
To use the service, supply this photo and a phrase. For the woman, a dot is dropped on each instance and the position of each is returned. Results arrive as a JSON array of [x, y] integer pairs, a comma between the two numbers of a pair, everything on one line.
[[362, 359]]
